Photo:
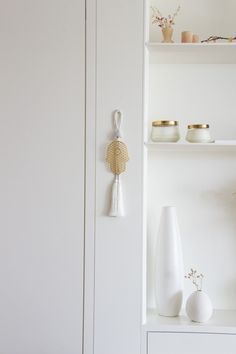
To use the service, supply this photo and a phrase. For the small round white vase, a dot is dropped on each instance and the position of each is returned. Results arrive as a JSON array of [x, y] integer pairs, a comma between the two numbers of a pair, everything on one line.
[[199, 307]]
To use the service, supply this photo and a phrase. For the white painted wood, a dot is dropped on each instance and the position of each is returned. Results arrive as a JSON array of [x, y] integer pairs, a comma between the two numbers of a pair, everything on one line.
[[200, 53], [190, 343], [118, 241], [222, 321], [42, 118], [114, 249], [90, 202], [218, 145]]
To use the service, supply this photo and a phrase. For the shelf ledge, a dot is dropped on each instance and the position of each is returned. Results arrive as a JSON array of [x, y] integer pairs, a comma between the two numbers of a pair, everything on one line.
[[222, 322], [218, 145], [199, 53]]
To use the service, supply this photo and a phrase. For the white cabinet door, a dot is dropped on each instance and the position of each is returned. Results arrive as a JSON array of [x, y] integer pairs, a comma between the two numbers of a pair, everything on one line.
[[118, 241], [191, 343], [42, 176]]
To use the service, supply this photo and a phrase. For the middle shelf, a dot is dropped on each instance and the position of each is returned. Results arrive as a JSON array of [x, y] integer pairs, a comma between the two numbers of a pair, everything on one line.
[[218, 145]]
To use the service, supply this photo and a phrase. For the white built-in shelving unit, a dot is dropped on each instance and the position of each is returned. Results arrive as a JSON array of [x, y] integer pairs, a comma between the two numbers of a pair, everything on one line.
[[193, 83]]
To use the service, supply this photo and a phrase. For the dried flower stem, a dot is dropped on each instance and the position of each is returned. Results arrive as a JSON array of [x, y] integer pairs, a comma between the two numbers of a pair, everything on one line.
[[195, 278], [163, 22], [216, 38]]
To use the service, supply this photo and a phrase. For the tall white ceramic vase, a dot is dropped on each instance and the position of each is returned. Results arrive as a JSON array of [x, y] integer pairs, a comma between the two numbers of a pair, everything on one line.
[[169, 265]]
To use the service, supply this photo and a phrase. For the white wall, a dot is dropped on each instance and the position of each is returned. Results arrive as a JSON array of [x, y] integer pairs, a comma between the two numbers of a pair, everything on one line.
[[194, 93], [200, 185], [206, 17], [41, 169]]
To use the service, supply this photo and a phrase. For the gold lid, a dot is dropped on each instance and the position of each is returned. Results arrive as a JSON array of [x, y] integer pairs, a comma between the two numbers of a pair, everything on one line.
[[198, 126], [165, 123]]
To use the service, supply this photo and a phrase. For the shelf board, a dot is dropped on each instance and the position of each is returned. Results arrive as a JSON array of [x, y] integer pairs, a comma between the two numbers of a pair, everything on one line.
[[187, 53], [218, 145], [222, 322]]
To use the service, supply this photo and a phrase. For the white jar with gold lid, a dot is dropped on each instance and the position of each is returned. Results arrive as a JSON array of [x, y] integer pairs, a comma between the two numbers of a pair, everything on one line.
[[199, 133], [165, 131]]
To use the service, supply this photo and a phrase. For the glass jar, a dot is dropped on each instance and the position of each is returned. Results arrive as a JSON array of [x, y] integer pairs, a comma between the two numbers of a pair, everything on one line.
[[165, 131], [199, 133]]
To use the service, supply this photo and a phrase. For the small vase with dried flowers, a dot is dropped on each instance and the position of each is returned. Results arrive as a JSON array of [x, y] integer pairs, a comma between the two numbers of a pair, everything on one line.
[[198, 305], [165, 23]]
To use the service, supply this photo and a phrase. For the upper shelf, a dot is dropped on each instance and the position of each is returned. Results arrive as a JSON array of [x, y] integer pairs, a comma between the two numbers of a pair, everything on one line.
[[218, 145], [187, 53]]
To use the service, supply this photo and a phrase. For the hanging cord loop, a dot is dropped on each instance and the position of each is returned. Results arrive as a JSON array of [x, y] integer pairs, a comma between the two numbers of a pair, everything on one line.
[[117, 123]]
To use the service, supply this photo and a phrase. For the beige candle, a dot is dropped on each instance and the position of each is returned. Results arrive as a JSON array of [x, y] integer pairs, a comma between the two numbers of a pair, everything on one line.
[[187, 37], [196, 38]]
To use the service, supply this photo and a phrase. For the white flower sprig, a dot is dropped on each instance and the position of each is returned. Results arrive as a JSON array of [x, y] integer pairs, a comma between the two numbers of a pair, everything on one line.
[[195, 278], [163, 22]]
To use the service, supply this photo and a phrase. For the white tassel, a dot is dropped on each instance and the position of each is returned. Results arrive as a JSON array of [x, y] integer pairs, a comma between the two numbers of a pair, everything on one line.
[[117, 208]]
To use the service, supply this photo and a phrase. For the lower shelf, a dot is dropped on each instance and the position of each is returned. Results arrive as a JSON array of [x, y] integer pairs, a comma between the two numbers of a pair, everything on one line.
[[222, 322]]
